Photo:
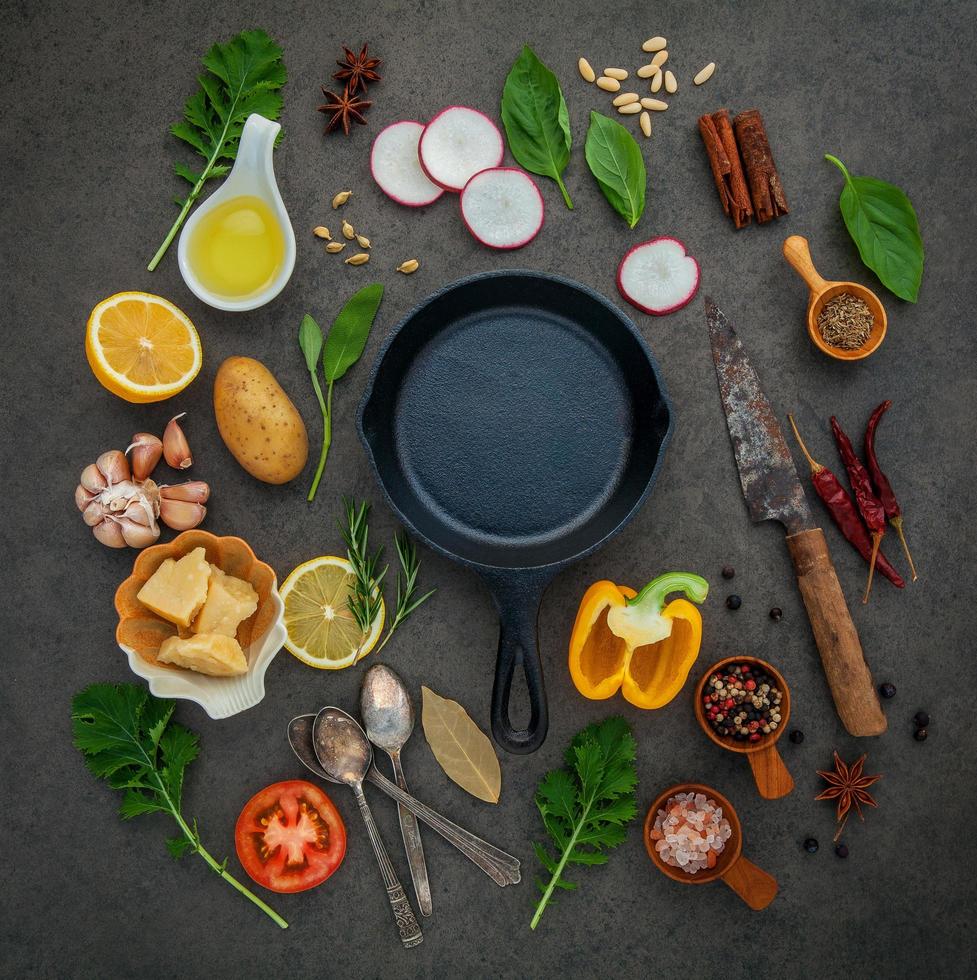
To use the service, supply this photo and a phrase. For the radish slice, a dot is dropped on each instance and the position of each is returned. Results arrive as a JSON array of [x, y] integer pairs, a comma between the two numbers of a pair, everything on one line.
[[658, 277], [396, 169], [458, 143], [502, 207]]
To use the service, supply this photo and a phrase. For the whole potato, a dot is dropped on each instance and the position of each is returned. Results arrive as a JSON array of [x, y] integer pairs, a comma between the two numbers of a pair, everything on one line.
[[258, 422]]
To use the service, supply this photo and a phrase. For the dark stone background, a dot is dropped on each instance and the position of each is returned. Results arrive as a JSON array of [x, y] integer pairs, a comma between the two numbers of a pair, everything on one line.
[[88, 93]]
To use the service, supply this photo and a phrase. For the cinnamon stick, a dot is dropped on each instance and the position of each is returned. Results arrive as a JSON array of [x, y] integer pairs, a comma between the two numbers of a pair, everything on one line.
[[727, 172], [766, 190]]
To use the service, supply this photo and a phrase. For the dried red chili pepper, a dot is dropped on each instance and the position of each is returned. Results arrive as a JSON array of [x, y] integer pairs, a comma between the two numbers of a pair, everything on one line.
[[889, 503], [842, 510], [869, 506]]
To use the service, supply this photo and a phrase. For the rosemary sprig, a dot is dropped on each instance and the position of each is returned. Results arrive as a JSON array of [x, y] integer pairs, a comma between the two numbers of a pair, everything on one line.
[[406, 584], [366, 600]]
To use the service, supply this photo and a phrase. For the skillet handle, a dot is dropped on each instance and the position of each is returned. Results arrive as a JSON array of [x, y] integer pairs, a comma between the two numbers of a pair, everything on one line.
[[518, 604]]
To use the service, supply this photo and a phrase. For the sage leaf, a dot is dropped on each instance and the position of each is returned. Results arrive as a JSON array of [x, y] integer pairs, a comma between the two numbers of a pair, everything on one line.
[[310, 341], [616, 162], [536, 120], [883, 225], [462, 749], [350, 331]]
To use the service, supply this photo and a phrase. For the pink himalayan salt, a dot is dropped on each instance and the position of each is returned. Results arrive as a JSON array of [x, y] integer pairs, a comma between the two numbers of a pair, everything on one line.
[[690, 832]]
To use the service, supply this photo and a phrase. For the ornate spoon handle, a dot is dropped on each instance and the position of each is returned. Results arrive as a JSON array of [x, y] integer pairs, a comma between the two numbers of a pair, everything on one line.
[[501, 867], [413, 846], [410, 931]]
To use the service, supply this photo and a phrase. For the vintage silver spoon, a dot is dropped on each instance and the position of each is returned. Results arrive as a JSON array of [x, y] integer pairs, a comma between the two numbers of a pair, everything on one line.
[[388, 717], [501, 867], [345, 753]]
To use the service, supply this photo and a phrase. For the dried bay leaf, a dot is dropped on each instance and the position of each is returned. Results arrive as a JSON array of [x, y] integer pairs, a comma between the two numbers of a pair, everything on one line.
[[462, 749]]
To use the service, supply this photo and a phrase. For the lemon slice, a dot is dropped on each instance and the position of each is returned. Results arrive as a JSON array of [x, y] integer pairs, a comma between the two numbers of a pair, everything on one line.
[[321, 630], [141, 347]]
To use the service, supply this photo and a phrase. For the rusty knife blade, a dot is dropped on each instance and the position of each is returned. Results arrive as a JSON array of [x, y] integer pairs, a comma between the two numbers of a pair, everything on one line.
[[767, 474]]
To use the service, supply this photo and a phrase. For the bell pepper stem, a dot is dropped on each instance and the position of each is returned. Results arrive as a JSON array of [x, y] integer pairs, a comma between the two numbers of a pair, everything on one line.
[[652, 597]]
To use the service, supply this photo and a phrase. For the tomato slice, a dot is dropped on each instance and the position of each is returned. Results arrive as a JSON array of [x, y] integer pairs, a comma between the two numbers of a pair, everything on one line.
[[290, 837]]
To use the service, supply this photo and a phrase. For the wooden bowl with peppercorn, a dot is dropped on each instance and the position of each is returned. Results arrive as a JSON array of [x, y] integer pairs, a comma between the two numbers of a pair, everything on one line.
[[845, 320], [731, 717], [751, 883]]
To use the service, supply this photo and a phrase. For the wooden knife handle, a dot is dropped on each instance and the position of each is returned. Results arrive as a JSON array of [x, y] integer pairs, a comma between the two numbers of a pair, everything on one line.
[[848, 675]]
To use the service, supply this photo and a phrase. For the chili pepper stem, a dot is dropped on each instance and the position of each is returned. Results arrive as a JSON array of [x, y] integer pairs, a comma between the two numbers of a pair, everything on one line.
[[876, 541], [816, 467], [896, 522]]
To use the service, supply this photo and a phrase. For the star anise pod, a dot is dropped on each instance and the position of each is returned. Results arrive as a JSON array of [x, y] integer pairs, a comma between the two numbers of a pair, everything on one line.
[[357, 69], [849, 787], [343, 108]]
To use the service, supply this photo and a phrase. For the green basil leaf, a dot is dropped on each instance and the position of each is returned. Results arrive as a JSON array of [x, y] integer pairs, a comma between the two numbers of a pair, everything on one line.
[[882, 223], [310, 340], [349, 332], [615, 160], [536, 120]]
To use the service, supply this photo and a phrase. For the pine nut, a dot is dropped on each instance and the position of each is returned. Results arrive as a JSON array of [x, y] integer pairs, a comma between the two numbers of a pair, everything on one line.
[[660, 59], [656, 82], [671, 84], [586, 72], [411, 265], [630, 109], [361, 258], [645, 121], [646, 71], [340, 199], [321, 231], [333, 247], [619, 73], [608, 84], [656, 105], [656, 43], [349, 232], [625, 98], [705, 74]]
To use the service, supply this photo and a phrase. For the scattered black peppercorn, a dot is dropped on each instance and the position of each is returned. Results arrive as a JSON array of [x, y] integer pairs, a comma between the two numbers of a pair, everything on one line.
[[728, 571], [921, 719], [811, 845], [776, 614], [920, 734], [796, 736], [733, 602], [841, 850], [887, 690]]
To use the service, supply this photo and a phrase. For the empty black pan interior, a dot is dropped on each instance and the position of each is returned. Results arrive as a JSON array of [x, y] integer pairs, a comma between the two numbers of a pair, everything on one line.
[[515, 421]]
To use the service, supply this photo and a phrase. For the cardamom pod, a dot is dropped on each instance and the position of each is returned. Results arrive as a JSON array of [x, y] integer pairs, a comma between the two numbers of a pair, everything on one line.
[[321, 231], [361, 258], [333, 247], [340, 199], [349, 232], [411, 265], [364, 242]]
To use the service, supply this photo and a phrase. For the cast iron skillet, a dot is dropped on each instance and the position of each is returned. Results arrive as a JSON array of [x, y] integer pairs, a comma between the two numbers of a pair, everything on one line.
[[515, 422]]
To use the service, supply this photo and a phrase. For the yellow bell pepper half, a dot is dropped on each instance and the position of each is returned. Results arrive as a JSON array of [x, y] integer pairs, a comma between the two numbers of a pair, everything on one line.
[[634, 643]]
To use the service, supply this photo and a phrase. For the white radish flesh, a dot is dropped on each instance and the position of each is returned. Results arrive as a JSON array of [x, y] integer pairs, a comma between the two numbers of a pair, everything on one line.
[[457, 144], [658, 277], [502, 207], [396, 169]]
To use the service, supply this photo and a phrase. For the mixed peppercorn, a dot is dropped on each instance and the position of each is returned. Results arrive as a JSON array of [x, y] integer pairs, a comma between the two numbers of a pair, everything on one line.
[[742, 702]]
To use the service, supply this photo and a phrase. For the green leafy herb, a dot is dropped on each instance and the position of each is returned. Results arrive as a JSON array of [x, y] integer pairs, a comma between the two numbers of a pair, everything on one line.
[[241, 77], [128, 739], [615, 160], [366, 600], [343, 348], [586, 807], [536, 121], [882, 223]]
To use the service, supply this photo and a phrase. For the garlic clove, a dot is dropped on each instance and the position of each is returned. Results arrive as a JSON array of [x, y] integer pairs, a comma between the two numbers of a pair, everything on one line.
[[145, 451], [83, 497], [114, 466], [92, 479], [137, 535], [194, 491], [176, 450], [110, 534], [94, 513], [181, 515]]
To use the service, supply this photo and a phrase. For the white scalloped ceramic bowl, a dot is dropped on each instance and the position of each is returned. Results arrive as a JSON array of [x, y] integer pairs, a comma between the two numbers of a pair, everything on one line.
[[140, 632]]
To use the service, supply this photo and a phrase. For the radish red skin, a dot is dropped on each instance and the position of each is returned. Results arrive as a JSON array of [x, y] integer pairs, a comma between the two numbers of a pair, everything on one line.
[[528, 238], [647, 309], [395, 197], [420, 146]]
